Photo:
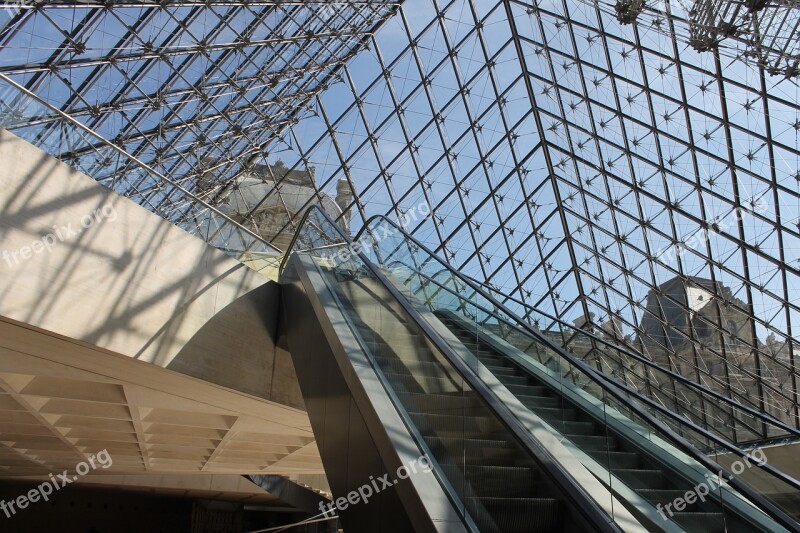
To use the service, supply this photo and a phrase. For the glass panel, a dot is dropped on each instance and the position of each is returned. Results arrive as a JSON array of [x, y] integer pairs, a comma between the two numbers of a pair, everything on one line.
[[88, 153], [489, 475], [674, 391], [641, 463]]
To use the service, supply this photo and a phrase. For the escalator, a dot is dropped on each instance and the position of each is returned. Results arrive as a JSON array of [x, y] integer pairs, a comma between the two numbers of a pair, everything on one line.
[[630, 465], [512, 442], [491, 473], [703, 397]]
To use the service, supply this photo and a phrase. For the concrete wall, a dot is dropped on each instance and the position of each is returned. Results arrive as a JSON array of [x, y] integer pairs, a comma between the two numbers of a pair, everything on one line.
[[130, 282]]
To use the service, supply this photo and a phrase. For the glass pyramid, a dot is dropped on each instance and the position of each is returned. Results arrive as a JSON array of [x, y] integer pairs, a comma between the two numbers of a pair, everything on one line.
[[630, 167]]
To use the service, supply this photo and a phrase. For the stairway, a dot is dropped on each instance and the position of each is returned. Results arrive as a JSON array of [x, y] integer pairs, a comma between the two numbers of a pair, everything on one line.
[[634, 469], [484, 462], [501, 487]]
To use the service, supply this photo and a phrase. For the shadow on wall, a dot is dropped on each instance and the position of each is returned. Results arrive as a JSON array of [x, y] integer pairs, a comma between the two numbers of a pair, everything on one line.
[[81, 261], [245, 331]]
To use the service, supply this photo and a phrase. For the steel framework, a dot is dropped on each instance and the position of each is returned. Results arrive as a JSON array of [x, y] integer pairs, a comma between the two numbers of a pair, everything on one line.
[[603, 171]]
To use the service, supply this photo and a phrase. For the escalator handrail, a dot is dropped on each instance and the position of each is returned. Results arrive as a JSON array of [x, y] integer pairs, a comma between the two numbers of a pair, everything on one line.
[[750, 410], [730, 446], [296, 235], [612, 388], [776, 390], [764, 417], [593, 512]]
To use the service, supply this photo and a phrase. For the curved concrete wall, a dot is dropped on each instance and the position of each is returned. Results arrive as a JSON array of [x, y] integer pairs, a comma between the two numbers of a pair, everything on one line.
[[131, 282]]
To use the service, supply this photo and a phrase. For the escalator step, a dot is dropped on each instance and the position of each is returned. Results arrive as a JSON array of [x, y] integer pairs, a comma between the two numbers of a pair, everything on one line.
[[557, 413], [700, 522], [661, 496], [592, 442], [533, 402], [641, 479], [406, 350], [421, 383], [493, 481], [473, 451], [403, 336], [491, 443], [617, 459], [533, 391], [528, 390], [398, 366], [571, 427], [453, 404], [486, 446], [486, 356], [502, 370], [514, 380], [518, 515], [456, 426], [514, 481]]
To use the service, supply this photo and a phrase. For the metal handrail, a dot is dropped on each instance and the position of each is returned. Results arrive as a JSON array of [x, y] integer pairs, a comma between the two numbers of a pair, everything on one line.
[[613, 388], [627, 351], [302, 223], [765, 417], [731, 447], [776, 390], [587, 505]]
